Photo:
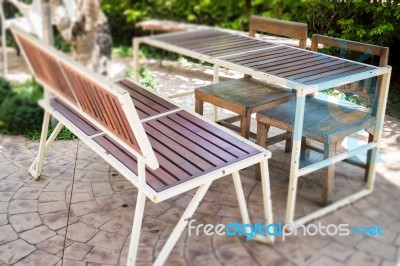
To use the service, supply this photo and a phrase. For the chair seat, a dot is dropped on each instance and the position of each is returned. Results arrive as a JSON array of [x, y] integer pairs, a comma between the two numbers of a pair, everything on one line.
[[243, 94], [186, 147], [324, 121]]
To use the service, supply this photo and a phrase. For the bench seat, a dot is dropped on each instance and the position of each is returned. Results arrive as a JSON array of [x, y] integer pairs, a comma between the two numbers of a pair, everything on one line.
[[186, 146]]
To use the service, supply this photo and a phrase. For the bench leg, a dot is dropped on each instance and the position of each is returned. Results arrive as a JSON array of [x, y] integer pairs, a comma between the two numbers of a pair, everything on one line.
[[266, 188], [215, 80], [137, 225], [180, 227], [369, 154], [241, 199], [36, 167]]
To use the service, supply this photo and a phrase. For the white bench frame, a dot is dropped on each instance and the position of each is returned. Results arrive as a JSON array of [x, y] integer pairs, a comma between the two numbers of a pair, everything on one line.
[[148, 158]]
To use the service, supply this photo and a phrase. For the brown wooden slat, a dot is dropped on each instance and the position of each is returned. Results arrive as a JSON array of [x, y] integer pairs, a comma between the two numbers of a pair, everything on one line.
[[167, 37], [234, 50], [223, 46], [239, 40], [301, 62], [334, 76], [328, 71], [275, 59], [250, 55], [75, 118], [204, 129], [209, 41], [316, 65]]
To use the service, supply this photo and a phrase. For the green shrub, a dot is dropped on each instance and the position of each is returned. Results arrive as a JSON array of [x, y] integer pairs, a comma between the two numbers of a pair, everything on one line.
[[146, 78], [19, 112], [5, 89]]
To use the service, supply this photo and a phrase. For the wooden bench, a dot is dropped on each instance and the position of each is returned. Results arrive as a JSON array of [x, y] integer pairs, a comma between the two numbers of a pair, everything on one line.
[[162, 149]]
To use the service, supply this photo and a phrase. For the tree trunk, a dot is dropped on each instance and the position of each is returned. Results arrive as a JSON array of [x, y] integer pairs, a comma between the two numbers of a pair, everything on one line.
[[86, 29]]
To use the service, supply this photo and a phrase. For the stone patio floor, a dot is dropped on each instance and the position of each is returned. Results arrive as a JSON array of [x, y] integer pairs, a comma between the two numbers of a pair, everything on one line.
[[79, 189]]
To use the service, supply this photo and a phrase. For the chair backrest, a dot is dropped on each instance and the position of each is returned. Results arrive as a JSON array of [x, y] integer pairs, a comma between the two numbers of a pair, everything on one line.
[[106, 105], [279, 27], [33, 13], [367, 90]]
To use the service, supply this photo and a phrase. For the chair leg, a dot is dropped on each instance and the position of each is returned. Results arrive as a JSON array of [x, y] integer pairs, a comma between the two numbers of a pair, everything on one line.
[[305, 153], [288, 144], [328, 174], [262, 140], [245, 125], [199, 106], [186, 216], [36, 167], [137, 225], [369, 155]]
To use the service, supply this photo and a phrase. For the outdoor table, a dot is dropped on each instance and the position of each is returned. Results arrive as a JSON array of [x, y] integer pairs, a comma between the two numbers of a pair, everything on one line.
[[278, 64]]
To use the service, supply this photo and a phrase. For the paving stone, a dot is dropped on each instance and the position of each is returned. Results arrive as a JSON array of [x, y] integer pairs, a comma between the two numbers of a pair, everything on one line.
[[97, 218], [360, 258], [77, 251], [57, 185], [3, 219], [50, 207], [25, 221], [52, 245], [73, 263], [12, 252], [57, 220], [296, 252], [108, 240], [3, 207], [80, 187], [194, 254], [37, 234], [118, 225], [6, 196], [10, 186], [172, 215], [47, 196], [22, 206], [397, 241], [27, 193], [79, 197], [326, 261], [95, 177], [102, 188], [389, 263], [80, 232], [102, 255], [82, 208], [337, 251], [39, 257], [109, 202], [7, 234], [121, 185], [377, 248]]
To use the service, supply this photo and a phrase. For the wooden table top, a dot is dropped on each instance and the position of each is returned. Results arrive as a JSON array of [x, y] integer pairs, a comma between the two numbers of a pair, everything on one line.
[[254, 56]]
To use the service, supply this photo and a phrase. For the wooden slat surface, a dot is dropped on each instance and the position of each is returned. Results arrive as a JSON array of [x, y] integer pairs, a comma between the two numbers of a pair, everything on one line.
[[279, 60], [144, 100], [186, 147]]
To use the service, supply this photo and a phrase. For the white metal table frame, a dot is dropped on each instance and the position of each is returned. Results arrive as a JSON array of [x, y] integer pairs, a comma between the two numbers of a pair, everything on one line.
[[302, 91]]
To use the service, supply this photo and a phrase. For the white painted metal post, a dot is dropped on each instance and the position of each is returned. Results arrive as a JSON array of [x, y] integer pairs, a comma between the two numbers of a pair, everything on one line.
[[241, 198], [42, 147], [295, 159], [49, 141], [136, 43], [216, 80], [266, 189], [138, 217], [191, 208], [380, 117]]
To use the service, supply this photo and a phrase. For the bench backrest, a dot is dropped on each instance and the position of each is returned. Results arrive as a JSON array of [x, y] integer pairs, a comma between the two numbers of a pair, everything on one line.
[[367, 50], [106, 105], [279, 27]]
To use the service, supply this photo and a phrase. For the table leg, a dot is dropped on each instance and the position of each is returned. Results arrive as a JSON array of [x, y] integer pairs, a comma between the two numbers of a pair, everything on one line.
[[199, 106], [329, 173], [295, 159], [245, 125]]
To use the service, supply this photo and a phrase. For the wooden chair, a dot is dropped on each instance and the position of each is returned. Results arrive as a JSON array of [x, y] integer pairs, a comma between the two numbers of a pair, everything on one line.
[[324, 121], [246, 96], [161, 149]]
